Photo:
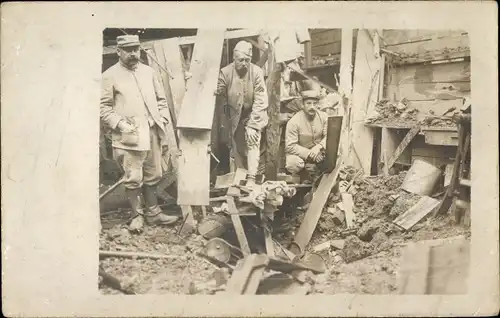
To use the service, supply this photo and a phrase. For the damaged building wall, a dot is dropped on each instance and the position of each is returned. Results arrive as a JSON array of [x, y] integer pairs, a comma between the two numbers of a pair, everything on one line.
[[431, 69]]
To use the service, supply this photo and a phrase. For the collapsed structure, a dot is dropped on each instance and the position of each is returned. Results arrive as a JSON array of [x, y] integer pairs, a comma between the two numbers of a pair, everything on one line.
[[397, 148]]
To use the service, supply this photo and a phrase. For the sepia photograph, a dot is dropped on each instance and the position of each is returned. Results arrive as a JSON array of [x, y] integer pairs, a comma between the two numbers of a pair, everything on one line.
[[183, 159], [294, 161]]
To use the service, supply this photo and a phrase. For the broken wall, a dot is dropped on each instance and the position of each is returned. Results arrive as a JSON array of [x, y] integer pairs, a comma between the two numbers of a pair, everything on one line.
[[430, 68]]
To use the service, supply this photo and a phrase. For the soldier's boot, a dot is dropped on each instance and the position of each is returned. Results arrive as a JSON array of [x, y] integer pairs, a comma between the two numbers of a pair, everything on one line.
[[154, 215], [134, 198]]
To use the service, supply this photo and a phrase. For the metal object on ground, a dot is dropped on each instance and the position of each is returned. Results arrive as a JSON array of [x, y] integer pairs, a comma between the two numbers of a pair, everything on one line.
[[421, 178], [221, 250], [214, 225]]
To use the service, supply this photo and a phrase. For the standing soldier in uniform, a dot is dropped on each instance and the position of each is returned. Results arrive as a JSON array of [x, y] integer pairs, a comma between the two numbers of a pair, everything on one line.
[[242, 92], [134, 107]]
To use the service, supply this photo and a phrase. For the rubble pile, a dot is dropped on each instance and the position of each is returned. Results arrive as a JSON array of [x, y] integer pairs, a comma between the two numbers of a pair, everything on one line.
[[394, 112], [378, 200], [178, 273]]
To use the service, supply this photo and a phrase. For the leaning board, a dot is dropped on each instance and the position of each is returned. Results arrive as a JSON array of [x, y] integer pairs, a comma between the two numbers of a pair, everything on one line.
[[198, 105]]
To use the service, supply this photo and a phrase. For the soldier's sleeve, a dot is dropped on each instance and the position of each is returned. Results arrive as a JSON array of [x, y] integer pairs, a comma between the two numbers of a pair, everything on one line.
[[221, 90], [161, 98], [258, 117], [292, 146], [107, 113]]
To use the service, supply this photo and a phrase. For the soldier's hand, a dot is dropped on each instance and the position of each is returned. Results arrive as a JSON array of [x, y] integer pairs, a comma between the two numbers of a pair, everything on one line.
[[125, 127], [251, 136]]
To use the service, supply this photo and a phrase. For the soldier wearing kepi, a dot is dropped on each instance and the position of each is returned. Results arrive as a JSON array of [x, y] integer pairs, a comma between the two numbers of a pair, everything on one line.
[[242, 91], [305, 138], [133, 105]]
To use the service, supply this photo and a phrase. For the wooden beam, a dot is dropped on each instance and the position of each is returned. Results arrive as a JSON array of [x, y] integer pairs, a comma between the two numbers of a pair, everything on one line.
[[388, 145], [417, 212], [193, 181], [188, 225], [402, 146], [169, 160], [174, 64], [273, 129], [315, 209], [301, 72], [199, 98], [345, 89], [194, 130], [333, 134], [238, 227], [365, 96]]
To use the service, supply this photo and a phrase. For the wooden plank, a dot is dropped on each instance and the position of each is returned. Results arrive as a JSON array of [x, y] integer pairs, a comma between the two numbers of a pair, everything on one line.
[[170, 159], [273, 130], [439, 267], [239, 176], [402, 146], [429, 91], [188, 225], [332, 141], [417, 212], [414, 271], [388, 145], [431, 50], [246, 279], [449, 268], [174, 64], [398, 36], [315, 209], [193, 185], [329, 36], [382, 83], [345, 85], [348, 204], [305, 75], [448, 172], [430, 73], [436, 106], [238, 226], [365, 95], [326, 49], [199, 98], [431, 44], [156, 56], [441, 138]]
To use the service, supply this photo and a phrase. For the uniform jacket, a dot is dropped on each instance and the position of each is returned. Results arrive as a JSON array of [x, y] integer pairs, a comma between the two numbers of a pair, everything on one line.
[[244, 99], [133, 94], [301, 134]]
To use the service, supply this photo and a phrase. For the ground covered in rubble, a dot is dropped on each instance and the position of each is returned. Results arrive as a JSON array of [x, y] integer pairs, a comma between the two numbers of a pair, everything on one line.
[[363, 259]]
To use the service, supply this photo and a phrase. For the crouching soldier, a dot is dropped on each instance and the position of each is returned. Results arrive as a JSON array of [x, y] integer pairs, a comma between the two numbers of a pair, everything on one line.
[[134, 107], [305, 139]]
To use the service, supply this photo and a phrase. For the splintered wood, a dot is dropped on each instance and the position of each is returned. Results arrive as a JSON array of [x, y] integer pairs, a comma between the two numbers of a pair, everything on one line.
[[198, 105], [365, 96]]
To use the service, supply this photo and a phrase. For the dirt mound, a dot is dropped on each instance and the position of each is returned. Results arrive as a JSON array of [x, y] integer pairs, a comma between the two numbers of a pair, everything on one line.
[[373, 196]]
